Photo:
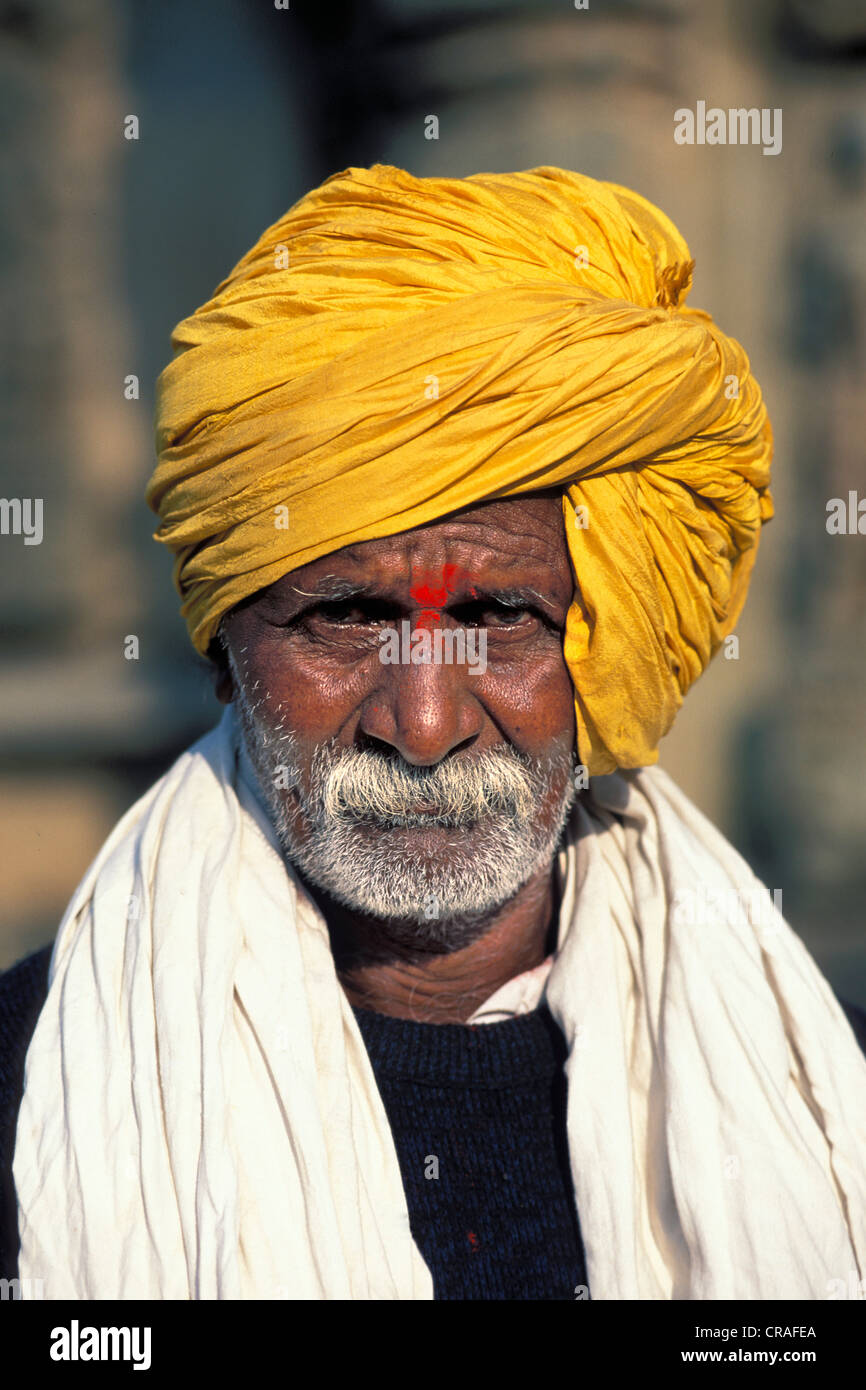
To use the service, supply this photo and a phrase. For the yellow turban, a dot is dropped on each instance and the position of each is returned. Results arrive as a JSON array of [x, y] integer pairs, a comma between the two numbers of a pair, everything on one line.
[[395, 348]]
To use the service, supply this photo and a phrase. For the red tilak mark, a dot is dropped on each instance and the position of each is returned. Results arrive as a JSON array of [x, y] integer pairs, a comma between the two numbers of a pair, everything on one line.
[[473, 1240], [434, 589]]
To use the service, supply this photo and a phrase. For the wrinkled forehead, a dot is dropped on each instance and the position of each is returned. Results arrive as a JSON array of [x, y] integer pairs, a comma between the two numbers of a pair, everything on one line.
[[513, 543]]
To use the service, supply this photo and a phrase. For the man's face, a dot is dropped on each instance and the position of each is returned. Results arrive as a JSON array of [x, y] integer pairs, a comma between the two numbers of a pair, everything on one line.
[[424, 795]]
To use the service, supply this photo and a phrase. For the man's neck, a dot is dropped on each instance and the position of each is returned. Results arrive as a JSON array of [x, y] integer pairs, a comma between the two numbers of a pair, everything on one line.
[[443, 988]]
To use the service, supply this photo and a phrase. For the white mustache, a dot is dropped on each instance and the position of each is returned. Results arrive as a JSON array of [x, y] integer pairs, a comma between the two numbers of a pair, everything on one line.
[[363, 785]]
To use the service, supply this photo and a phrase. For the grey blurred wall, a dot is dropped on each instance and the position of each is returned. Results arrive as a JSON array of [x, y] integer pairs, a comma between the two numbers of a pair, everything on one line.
[[107, 242]]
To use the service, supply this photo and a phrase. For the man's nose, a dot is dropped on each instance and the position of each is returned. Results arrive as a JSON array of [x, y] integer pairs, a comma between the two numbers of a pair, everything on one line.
[[425, 711]]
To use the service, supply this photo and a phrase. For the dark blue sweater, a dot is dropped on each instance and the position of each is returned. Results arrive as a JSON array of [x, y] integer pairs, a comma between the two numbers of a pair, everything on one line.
[[483, 1107], [478, 1119]]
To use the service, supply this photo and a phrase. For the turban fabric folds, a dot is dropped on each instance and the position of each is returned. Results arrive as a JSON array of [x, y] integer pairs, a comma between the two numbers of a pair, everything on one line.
[[395, 348]]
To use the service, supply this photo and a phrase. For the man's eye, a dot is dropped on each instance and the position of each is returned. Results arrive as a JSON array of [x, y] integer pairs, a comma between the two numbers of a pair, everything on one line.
[[489, 614], [350, 613], [501, 613]]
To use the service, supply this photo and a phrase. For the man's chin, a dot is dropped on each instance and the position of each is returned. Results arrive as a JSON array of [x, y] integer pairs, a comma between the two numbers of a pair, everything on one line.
[[430, 849], [424, 925], [405, 875]]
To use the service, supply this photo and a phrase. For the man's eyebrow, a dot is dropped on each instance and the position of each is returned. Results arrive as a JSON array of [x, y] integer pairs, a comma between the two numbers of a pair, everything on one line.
[[331, 587], [334, 588], [511, 596]]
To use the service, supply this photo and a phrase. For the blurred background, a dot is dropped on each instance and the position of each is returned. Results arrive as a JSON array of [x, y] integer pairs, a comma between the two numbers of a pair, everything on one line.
[[107, 242]]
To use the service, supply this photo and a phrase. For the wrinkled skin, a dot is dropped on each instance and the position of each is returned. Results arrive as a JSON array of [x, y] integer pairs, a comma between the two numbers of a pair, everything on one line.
[[318, 668]]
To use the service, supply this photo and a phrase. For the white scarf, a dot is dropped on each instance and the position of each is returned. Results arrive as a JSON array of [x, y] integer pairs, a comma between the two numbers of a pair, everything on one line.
[[201, 1120]]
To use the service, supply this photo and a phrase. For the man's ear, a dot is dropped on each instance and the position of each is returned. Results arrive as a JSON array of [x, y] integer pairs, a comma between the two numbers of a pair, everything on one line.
[[224, 689], [218, 657]]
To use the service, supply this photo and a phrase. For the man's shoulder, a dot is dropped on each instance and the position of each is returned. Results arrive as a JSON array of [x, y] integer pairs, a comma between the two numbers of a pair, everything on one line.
[[23, 988], [857, 1018]]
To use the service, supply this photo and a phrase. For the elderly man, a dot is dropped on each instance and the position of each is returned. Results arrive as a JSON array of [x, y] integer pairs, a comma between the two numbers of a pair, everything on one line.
[[415, 978]]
